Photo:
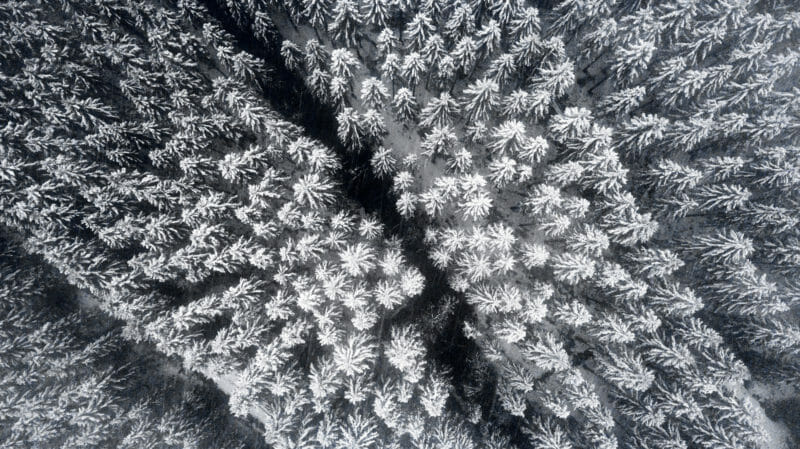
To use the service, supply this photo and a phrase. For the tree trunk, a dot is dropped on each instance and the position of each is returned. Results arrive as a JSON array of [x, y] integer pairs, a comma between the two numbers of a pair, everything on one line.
[[596, 58], [602, 80]]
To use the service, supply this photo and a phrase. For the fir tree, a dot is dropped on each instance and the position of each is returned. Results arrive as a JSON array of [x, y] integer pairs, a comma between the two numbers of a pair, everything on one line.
[[405, 105], [346, 22]]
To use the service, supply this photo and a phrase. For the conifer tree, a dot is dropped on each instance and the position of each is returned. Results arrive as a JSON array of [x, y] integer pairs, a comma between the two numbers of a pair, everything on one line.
[[440, 111], [375, 12], [405, 105], [345, 23], [418, 30], [316, 12], [480, 99]]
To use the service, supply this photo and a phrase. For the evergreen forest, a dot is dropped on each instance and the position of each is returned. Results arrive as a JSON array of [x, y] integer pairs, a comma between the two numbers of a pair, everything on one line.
[[400, 224]]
